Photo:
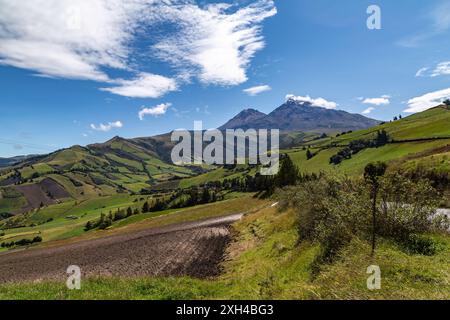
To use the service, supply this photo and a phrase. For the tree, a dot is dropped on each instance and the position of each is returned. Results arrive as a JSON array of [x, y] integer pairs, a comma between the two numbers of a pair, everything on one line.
[[382, 138], [88, 226], [206, 197], [129, 212], [145, 207], [288, 174], [447, 102], [372, 174], [309, 155]]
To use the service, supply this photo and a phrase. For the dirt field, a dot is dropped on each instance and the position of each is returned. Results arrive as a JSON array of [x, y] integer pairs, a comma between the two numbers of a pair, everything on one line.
[[193, 249], [44, 193]]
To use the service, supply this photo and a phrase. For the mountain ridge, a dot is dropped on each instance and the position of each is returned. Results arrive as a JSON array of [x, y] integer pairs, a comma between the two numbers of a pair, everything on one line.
[[300, 116]]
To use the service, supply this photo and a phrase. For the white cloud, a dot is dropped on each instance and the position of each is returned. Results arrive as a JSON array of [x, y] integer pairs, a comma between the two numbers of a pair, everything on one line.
[[85, 39], [215, 43], [67, 38], [145, 86], [427, 101], [381, 101], [368, 110], [421, 72], [107, 127], [441, 69], [154, 111], [253, 91], [319, 102]]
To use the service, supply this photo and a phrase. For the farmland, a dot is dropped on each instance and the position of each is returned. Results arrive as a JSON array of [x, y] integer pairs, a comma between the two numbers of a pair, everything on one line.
[[205, 250]]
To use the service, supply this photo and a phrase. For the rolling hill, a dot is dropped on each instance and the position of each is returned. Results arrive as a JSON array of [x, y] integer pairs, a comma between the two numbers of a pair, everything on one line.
[[417, 138], [116, 166], [131, 165]]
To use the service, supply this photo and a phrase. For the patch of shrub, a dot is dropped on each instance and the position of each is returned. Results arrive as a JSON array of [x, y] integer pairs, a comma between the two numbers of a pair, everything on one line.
[[333, 210], [418, 244], [21, 242]]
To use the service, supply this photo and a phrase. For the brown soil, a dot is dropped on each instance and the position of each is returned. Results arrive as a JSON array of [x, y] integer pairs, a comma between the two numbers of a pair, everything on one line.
[[34, 195], [54, 189], [45, 192], [194, 249]]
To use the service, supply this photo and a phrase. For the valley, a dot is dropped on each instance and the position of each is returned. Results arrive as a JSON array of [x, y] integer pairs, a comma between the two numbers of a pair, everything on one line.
[[131, 219]]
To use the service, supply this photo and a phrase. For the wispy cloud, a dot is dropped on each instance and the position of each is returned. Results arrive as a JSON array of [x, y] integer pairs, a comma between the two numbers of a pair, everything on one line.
[[158, 110], [318, 102], [439, 20], [441, 69], [107, 127], [145, 86], [67, 39], [216, 43], [427, 101], [421, 72], [85, 40], [368, 110], [253, 91]]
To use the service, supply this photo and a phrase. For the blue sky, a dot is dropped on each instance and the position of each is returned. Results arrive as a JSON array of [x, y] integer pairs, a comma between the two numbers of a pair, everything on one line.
[[82, 71]]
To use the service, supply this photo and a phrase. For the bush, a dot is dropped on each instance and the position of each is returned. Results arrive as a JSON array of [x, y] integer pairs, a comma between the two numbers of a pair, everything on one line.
[[407, 207], [37, 239], [330, 211], [333, 210], [417, 244]]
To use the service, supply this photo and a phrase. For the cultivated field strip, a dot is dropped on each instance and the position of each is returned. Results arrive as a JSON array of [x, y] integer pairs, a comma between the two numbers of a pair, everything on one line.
[[194, 249]]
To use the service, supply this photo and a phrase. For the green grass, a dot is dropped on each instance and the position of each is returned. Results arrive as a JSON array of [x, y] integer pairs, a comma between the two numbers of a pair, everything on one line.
[[428, 124], [40, 168], [355, 166], [241, 203], [61, 227], [11, 200], [404, 276], [268, 239]]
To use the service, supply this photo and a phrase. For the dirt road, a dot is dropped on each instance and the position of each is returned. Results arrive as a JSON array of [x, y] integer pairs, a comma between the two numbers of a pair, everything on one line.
[[193, 249]]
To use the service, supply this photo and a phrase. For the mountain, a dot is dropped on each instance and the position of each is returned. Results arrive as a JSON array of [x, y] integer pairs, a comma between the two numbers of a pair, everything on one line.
[[6, 162], [301, 116], [243, 119], [130, 165]]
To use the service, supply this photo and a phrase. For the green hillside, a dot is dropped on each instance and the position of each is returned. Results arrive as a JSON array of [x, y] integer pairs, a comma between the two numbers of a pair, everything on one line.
[[418, 136], [131, 165], [80, 173]]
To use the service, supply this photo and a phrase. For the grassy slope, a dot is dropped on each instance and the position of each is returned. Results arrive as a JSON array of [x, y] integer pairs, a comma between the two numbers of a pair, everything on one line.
[[429, 124], [62, 228], [267, 239], [101, 169]]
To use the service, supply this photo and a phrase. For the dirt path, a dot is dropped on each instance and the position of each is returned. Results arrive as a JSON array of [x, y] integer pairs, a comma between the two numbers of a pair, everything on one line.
[[194, 249]]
